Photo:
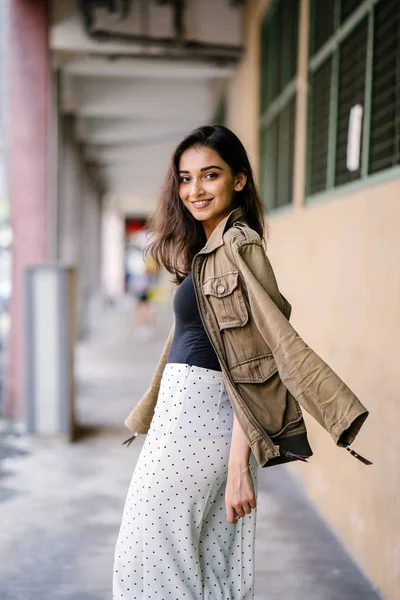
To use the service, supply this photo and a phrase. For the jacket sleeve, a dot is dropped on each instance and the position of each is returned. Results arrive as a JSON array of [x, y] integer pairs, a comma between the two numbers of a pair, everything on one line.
[[140, 418], [307, 377]]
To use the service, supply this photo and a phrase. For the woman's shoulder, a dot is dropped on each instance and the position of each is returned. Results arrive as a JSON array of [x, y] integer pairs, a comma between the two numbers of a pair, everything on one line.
[[241, 233]]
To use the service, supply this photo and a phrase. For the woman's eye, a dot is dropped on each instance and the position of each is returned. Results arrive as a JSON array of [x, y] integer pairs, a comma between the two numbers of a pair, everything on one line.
[[184, 180], [211, 175]]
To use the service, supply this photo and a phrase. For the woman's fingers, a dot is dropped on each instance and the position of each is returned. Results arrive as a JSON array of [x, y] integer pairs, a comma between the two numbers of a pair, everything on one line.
[[246, 508], [239, 511], [234, 513], [231, 515]]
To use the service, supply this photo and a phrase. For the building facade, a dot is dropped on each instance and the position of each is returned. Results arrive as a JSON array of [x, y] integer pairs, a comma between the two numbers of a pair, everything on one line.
[[316, 101]]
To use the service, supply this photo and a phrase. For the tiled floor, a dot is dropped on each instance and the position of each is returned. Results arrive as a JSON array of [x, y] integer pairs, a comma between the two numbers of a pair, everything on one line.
[[60, 504]]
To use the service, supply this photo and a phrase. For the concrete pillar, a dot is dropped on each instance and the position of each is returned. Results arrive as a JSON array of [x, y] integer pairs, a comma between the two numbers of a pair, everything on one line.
[[79, 218], [54, 149], [70, 193], [70, 202], [28, 168], [89, 247]]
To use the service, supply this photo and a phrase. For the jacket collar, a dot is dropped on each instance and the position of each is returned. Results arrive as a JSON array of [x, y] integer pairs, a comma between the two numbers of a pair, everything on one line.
[[216, 238]]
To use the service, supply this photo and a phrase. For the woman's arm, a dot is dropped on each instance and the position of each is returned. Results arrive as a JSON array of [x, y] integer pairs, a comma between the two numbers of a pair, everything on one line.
[[239, 495], [318, 389]]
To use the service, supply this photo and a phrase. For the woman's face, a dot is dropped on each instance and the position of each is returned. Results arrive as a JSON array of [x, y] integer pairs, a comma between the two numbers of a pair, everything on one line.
[[207, 185]]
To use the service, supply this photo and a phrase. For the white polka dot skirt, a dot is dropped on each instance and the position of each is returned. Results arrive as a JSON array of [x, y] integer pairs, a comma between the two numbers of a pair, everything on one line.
[[175, 541]]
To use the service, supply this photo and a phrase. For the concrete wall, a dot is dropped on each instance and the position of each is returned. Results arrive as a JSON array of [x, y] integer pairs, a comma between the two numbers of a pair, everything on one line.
[[79, 220], [337, 261]]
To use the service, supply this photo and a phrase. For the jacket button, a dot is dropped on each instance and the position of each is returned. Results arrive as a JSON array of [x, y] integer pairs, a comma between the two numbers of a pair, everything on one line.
[[220, 289]]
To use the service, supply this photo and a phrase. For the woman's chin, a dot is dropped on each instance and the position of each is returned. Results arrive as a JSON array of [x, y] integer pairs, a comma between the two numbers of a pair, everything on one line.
[[200, 215]]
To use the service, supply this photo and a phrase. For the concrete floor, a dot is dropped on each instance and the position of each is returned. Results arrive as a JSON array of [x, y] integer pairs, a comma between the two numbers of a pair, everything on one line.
[[60, 504]]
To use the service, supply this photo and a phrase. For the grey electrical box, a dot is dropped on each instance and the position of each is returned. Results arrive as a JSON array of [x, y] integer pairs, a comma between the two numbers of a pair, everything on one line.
[[50, 334]]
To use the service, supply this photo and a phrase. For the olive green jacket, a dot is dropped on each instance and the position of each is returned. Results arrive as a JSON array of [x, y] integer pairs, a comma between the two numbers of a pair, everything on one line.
[[268, 369]]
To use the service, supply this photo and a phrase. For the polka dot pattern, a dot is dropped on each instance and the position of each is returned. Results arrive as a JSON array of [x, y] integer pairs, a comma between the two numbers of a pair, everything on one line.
[[174, 541]]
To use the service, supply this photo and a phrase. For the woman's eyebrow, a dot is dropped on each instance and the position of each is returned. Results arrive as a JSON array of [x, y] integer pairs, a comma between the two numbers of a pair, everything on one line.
[[204, 168], [211, 167]]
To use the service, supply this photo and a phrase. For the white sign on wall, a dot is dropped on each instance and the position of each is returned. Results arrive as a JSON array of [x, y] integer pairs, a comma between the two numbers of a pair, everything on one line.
[[354, 138]]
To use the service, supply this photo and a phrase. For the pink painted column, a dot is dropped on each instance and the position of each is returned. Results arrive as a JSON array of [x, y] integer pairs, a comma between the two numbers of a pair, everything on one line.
[[28, 179]]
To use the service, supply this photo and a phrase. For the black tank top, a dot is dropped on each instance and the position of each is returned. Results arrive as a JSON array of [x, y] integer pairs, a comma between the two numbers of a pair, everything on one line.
[[190, 344]]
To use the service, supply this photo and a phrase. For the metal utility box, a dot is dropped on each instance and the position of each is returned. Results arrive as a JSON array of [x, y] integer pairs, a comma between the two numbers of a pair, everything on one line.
[[50, 335]]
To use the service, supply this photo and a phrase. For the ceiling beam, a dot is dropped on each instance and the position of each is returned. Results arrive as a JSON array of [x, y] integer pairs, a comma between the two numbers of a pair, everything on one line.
[[145, 68], [144, 99]]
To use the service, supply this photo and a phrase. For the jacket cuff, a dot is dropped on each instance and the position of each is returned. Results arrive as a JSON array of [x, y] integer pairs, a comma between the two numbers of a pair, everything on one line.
[[346, 431], [135, 426], [261, 450]]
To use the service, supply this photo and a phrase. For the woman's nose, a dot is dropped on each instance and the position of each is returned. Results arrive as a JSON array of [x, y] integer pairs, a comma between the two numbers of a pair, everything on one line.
[[196, 190]]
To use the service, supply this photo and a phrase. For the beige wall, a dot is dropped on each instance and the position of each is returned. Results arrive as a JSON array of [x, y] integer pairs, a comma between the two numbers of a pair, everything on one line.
[[338, 263]]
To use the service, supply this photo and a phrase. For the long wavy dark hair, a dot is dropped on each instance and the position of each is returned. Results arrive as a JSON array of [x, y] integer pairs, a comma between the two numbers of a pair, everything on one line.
[[177, 235]]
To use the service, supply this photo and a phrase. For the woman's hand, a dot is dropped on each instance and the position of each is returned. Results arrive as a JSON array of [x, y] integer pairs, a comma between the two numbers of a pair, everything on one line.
[[239, 494], [240, 498]]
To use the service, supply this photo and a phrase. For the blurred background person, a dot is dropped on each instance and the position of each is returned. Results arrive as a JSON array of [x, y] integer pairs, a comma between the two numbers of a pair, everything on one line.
[[142, 279]]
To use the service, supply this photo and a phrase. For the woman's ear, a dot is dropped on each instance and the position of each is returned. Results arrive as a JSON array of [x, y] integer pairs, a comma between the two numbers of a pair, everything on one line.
[[240, 181]]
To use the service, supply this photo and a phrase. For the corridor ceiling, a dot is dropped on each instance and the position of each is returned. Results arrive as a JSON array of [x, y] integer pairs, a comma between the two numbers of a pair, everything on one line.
[[137, 76]]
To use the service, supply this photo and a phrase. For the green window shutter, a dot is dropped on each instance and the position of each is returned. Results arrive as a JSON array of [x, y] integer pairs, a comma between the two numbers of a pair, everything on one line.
[[318, 119], [220, 113], [347, 7], [352, 62], [288, 26], [322, 23], [269, 57], [266, 50], [279, 56], [279, 49], [385, 110], [271, 67], [269, 155], [286, 124]]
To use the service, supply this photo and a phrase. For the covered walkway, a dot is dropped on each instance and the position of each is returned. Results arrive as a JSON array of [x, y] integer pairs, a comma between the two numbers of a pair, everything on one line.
[[64, 501], [94, 95]]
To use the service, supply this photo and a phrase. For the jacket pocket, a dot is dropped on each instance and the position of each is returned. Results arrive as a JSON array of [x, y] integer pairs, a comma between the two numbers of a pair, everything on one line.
[[254, 370], [227, 300], [274, 408]]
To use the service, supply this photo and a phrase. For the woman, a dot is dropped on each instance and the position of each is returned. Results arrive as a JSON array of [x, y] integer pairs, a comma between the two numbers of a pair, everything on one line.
[[225, 396]]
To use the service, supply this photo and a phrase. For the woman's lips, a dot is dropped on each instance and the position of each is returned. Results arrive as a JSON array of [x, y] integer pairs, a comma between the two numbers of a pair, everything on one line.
[[202, 203]]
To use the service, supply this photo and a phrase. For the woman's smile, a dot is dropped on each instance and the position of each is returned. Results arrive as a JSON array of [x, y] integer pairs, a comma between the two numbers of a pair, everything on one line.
[[201, 203]]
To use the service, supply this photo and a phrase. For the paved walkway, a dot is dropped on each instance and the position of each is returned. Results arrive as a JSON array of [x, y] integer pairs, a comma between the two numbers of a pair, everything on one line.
[[60, 505]]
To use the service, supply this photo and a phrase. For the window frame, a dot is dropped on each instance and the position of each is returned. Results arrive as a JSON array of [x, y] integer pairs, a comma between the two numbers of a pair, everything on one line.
[[269, 114], [331, 50]]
